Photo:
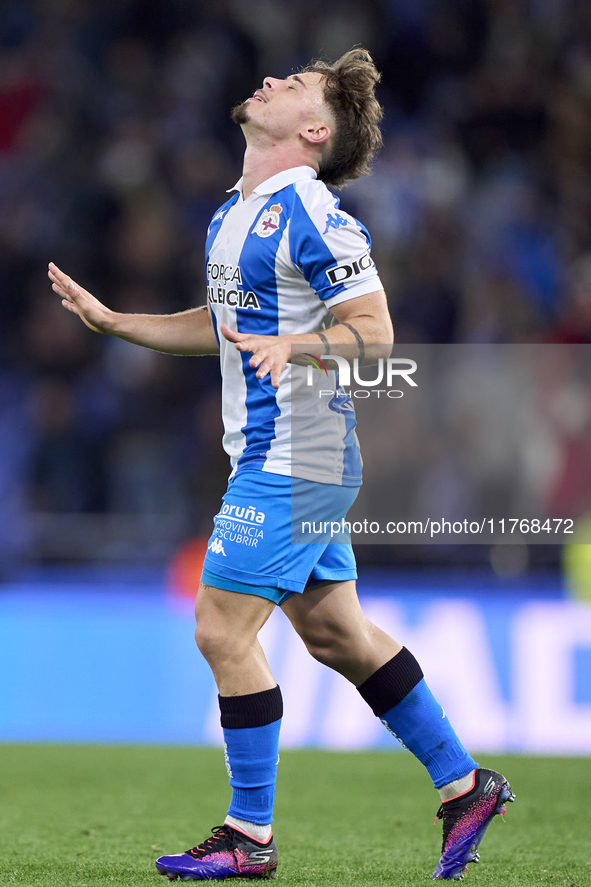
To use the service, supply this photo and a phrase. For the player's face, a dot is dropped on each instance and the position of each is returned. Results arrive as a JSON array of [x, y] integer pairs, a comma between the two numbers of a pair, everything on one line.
[[283, 107]]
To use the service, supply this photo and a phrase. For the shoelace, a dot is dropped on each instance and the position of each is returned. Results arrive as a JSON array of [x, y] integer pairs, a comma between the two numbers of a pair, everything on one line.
[[222, 838], [447, 826]]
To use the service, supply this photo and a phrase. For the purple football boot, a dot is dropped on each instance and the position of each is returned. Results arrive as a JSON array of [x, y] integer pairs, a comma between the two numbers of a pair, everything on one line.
[[465, 820], [229, 853]]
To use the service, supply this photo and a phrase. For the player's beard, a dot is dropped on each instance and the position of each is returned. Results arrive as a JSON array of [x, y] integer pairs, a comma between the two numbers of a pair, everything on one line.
[[240, 113]]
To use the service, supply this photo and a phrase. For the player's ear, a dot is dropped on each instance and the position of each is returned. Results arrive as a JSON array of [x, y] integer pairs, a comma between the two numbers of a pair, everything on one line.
[[316, 133]]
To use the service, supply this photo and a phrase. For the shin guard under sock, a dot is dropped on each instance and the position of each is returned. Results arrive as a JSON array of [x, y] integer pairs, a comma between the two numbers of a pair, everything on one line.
[[251, 726], [398, 695]]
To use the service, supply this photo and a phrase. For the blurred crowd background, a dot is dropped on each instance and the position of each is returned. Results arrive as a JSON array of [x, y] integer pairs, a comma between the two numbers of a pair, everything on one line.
[[116, 147]]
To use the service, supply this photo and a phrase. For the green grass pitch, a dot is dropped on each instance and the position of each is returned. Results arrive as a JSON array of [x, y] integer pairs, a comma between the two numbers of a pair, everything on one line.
[[86, 816]]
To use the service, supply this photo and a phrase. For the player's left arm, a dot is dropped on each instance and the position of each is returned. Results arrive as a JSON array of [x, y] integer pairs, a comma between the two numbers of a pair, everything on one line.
[[361, 321]]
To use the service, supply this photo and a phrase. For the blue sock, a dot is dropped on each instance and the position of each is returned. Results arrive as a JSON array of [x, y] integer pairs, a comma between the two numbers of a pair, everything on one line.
[[251, 727], [400, 697], [420, 723]]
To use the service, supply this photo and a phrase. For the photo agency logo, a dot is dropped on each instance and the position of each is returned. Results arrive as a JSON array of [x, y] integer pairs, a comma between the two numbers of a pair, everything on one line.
[[386, 372]]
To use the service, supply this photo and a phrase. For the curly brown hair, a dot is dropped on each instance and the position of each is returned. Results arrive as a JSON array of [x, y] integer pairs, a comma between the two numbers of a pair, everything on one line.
[[349, 91]]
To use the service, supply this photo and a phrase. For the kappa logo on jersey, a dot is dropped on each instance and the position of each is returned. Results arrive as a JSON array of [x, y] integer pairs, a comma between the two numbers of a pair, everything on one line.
[[343, 272], [219, 215], [336, 221], [216, 547], [269, 221], [341, 403]]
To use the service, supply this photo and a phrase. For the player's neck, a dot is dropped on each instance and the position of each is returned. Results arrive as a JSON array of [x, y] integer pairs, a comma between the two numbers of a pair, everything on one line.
[[261, 163]]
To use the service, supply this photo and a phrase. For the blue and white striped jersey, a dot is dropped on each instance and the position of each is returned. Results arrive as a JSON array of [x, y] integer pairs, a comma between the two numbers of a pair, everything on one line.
[[275, 264]]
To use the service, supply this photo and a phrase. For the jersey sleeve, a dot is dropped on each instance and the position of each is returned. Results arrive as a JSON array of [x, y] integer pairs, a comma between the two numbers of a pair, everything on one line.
[[330, 248]]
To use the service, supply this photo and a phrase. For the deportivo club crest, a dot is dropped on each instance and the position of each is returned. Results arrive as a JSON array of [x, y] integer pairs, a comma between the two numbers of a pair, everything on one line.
[[269, 221]]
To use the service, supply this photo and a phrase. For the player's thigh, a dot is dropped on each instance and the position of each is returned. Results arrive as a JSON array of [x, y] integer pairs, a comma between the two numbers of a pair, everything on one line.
[[228, 613], [330, 621], [326, 608]]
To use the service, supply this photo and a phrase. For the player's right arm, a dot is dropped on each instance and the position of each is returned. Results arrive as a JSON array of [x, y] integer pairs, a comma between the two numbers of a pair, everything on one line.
[[188, 332]]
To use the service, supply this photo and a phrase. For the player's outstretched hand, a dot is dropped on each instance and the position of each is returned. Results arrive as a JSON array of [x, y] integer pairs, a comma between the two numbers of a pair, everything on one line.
[[270, 354], [79, 301]]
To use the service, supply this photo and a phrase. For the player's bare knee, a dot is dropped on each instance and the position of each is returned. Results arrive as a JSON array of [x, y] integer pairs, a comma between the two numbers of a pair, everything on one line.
[[325, 647], [324, 655], [211, 639], [335, 645], [219, 643], [204, 641]]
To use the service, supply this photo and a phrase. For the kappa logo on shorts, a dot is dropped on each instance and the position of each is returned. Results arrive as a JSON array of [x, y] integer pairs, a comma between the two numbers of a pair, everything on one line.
[[269, 221], [216, 547]]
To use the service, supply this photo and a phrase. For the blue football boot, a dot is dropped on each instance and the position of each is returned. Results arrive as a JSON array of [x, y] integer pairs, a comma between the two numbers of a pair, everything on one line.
[[229, 853], [465, 820]]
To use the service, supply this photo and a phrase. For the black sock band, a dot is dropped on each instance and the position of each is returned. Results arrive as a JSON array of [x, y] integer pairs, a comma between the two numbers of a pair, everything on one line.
[[252, 710], [388, 686]]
